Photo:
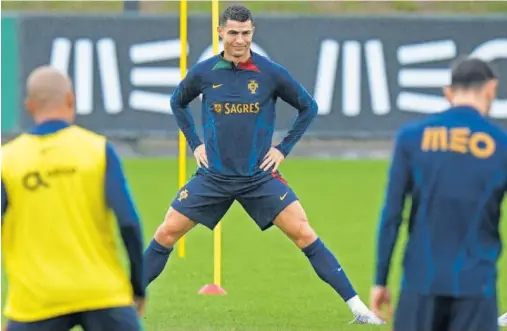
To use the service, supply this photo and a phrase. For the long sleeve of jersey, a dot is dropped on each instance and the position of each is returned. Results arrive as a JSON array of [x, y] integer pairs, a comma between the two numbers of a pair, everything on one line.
[[4, 199], [120, 201], [290, 91], [185, 93], [392, 213]]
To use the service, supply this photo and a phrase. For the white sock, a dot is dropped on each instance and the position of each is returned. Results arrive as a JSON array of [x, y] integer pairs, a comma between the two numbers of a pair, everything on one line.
[[356, 305]]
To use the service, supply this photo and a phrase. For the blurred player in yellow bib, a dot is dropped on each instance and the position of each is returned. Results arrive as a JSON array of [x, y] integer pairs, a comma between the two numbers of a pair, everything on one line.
[[62, 185]]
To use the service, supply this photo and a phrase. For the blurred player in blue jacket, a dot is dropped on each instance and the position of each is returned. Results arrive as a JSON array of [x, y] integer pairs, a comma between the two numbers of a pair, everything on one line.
[[453, 165], [236, 161]]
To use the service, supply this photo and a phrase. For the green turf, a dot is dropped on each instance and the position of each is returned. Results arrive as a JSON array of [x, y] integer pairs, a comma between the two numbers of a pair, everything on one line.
[[300, 7], [270, 283]]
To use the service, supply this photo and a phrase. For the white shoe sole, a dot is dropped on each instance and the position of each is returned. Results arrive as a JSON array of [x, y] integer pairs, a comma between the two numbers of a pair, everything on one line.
[[361, 319]]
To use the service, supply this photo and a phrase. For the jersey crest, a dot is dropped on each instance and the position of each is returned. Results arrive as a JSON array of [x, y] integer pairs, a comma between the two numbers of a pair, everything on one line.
[[253, 86]]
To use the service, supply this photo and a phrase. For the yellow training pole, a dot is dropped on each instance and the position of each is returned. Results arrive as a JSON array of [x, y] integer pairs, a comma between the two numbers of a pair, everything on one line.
[[182, 155], [217, 233], [216, 287]]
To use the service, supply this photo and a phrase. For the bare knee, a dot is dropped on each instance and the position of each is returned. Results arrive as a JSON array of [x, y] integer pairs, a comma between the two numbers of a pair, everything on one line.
[[305, 234], [175, 226], [294, 223]]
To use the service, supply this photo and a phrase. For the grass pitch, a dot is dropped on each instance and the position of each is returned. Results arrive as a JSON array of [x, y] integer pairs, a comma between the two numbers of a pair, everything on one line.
[[271, 286], [258, 7]]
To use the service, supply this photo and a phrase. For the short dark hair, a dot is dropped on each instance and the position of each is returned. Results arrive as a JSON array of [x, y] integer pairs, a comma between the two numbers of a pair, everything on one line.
[[469, 72], [236, 13]]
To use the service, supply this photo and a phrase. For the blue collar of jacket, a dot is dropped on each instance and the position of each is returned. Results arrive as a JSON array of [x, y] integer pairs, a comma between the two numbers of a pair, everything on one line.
[[49, 127]]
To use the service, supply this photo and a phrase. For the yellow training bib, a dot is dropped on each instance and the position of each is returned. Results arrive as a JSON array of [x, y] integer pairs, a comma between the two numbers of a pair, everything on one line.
[[58, 235]]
